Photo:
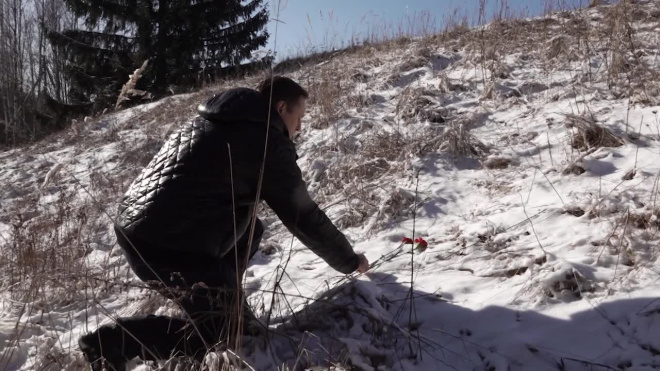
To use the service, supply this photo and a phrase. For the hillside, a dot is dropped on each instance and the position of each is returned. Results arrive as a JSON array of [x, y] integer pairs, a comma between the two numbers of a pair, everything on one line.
[[526, 153]]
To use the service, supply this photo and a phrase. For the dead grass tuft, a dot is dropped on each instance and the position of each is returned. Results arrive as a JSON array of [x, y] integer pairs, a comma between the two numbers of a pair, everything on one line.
[[645, 220], [497, 163], [420, 104], [590, 134], [387, 145], [458, 141], [412, 63], [137, 155], [572, 285], [359, 101], [574, 210], [557, 46], [630, 175], [327, 91], [492, 186], [445, 86], [399, 203], [46, 249], [575, 169]]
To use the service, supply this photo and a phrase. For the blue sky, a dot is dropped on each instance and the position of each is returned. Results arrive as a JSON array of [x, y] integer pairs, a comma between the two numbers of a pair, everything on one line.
[[307, 24]]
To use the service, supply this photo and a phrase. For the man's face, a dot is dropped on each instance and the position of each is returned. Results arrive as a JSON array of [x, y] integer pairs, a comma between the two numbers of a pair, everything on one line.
[[292, 115]]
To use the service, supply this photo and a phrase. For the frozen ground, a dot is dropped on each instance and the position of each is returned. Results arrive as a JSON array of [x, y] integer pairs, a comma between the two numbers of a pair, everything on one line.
[[542, 236]]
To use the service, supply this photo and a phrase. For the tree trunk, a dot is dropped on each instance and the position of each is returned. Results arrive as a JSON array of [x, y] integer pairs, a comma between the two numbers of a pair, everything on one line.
[[161, 47]]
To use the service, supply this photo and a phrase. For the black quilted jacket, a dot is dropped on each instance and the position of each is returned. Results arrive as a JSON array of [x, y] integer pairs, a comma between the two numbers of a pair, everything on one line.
[[182, 200]]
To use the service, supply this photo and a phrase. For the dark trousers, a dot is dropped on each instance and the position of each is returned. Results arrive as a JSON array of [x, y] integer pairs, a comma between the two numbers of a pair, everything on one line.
[[204, 287]]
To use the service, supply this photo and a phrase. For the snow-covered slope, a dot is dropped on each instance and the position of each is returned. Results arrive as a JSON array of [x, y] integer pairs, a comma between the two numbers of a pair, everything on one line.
[[527, 155]]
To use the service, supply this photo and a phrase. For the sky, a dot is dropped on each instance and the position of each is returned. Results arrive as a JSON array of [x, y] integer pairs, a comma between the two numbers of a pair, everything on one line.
[[303, 26]]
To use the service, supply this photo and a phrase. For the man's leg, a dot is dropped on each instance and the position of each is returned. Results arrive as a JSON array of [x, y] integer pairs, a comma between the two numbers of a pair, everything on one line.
[[209, 305], [236, 261], [177, 277]]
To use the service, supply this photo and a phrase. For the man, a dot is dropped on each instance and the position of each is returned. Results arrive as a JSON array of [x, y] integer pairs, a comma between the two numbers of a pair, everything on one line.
[[187, 225]]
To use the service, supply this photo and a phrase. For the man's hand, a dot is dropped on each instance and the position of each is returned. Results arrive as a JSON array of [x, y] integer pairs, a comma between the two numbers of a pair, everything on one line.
[[364, 264]]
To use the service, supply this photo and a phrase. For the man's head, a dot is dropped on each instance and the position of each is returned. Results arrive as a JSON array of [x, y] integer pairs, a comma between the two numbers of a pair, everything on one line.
[[288, 98]]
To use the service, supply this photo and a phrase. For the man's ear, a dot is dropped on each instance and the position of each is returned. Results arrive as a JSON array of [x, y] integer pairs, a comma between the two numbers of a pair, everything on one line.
[[281, 106]]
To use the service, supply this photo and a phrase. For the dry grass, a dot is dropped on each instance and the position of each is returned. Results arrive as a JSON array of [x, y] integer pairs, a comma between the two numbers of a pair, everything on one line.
[[647, 220], [388, 145], [327, 92], [558, 45], [616, 34], [44, 267], [420, 104], [359, 101], [589, 134], [497, 163], [128, 91], [458, 141], [45, 248], [572, 285], [574, 169], [412, 63]]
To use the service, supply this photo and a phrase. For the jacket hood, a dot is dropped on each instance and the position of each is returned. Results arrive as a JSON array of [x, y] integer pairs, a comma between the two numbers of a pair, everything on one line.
[[239, 105]]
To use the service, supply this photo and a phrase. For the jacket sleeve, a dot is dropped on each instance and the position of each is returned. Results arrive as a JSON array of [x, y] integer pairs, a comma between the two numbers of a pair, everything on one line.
[[286, 193]]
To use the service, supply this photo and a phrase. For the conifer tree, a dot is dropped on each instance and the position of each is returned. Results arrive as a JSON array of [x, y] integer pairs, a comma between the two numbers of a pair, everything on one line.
[[181, 39]]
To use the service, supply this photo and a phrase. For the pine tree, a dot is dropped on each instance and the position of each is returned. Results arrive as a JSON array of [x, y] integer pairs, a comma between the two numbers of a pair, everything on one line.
[[181, 38]]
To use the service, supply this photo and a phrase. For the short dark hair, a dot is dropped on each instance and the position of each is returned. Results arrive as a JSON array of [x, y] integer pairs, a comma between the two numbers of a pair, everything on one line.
[[283, 88]]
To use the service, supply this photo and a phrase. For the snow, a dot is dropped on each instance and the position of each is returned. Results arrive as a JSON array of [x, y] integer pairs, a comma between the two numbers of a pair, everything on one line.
[[528, 267]]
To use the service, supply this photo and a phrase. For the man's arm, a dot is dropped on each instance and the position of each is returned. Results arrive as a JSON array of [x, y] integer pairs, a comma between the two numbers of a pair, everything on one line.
[[286, 193]]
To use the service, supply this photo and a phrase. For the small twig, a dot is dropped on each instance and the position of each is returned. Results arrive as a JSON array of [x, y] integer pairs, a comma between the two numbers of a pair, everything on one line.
[[655, 191], [592, 364], [623, 236], [552, 162], [531, 186], [330, 355], [412, 272], [243, 363], [606, 196], [522, 201], [534, 165], [608, 239], [239, 306]]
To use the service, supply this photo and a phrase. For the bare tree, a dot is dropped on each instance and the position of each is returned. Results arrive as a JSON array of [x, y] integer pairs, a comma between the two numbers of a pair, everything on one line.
[[29, 66]]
